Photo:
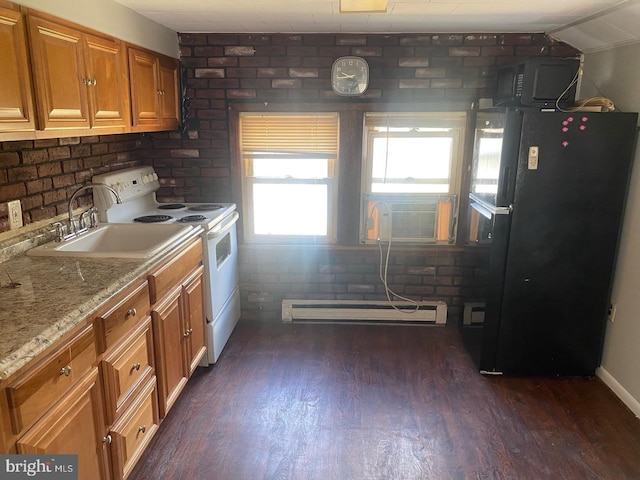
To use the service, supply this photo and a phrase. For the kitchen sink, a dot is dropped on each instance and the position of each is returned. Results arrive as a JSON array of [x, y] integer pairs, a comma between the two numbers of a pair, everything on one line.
[[117, 240]]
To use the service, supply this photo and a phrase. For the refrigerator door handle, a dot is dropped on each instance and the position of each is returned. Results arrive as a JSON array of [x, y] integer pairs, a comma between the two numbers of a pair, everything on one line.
[[488, 210]]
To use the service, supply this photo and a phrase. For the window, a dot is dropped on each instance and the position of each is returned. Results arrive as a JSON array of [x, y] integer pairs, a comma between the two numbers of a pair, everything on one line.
[[289, 176], [411, 176]]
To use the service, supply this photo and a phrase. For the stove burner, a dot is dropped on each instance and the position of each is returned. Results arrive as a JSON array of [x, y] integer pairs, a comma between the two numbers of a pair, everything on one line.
[[205, 207], [192, 218], [152, 218], [171, 206]]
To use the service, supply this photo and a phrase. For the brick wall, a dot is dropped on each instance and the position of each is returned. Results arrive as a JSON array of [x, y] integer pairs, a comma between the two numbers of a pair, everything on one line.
[[43, 174], [439, 273], [421, 68], [222, 69]]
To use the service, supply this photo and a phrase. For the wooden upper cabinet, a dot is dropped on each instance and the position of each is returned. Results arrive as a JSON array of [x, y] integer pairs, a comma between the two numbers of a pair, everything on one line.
[[107, 81], [169, 94], [154, 91], [80, 78], [58, 62], [16, 102]]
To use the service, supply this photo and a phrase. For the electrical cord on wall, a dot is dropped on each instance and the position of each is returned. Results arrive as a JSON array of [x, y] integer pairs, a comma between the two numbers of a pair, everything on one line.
[[383, 269], [603, 102]]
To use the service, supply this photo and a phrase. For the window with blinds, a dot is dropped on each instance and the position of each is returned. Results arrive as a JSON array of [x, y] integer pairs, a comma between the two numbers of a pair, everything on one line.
[[289, 175], [411, 176]]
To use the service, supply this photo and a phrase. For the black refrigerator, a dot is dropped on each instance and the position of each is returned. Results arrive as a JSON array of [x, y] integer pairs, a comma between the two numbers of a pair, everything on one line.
[[547, 196]]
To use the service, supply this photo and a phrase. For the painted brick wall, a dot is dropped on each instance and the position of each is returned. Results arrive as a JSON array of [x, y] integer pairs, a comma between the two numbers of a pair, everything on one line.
[[196, 166], [438, 273], [43, 174], [222, 69]]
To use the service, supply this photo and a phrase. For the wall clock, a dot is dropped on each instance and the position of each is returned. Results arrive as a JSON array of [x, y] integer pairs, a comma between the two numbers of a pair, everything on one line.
[[350, 76]]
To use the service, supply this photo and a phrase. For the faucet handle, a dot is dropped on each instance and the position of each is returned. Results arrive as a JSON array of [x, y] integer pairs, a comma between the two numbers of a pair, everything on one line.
[[60, 233], [93, 217], [82, 223]]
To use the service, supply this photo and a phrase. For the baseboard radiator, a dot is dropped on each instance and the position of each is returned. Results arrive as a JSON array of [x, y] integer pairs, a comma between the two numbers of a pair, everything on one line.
[[363, 311]]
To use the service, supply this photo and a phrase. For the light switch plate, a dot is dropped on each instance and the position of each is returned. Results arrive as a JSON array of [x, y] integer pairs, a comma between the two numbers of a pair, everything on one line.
[[15, 214]]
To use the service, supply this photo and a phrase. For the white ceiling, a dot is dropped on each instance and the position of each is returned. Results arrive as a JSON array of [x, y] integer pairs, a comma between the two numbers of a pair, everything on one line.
[[609, 21]]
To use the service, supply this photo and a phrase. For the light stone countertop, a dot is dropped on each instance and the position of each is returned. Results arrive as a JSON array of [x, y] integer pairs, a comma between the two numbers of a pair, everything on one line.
[[56, 295]]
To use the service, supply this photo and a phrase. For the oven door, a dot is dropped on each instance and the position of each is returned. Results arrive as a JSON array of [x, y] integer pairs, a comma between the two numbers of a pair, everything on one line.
[[221, 265]]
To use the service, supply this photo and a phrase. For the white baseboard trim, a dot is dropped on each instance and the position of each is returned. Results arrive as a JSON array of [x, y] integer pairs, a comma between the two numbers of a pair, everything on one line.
[[619, 390]]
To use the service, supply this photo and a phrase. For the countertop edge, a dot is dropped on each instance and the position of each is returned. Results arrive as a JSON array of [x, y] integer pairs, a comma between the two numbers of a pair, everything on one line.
[[19, 358]]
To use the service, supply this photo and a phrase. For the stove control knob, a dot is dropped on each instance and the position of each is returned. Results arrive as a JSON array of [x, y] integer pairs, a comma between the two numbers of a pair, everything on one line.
[[155, 176], [145, 179]]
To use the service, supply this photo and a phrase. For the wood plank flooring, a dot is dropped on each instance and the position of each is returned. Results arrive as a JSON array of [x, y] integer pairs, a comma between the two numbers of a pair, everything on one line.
[[383, 402]]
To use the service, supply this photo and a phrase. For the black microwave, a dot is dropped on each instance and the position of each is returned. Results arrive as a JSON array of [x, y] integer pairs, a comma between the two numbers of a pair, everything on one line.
[[538, 82]]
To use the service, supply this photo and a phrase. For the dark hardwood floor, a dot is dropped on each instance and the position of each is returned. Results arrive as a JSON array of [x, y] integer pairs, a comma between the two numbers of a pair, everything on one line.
[[383, 402]]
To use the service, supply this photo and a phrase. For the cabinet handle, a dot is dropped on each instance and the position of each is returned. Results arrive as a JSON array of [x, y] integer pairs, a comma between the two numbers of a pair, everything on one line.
[[85, 81], [107, 440], [190, 331], [66, 371], [135, 366], [94, 81], [132, 312], [142, 429], [186, 334]]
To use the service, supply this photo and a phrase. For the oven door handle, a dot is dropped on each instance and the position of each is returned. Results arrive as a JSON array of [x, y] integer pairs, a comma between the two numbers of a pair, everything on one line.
[[223, 226]]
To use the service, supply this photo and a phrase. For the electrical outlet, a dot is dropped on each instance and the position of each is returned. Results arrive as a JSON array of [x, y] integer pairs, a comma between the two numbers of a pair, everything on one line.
[[15, 214]]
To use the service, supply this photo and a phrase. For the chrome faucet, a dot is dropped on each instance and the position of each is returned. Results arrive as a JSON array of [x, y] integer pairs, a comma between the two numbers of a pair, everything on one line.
[[72, 227]]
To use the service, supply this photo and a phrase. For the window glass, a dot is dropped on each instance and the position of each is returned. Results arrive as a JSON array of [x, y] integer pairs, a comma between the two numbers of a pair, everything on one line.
[[411, 176], [288, 172]]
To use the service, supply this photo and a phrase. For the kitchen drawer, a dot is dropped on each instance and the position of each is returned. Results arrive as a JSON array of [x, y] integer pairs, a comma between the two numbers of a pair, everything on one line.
[[123, 316], [38, 389], [133, 432], [126, 368], [175, 270]]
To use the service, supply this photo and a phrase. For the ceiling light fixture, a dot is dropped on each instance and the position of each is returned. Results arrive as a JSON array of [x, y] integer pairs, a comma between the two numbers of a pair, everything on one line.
[[362, 6]]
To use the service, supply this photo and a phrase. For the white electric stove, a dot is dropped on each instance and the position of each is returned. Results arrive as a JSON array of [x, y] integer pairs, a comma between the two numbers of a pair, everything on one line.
[[137, 188]]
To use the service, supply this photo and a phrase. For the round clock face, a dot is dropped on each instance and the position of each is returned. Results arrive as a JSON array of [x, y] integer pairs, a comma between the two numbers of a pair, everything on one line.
[[350, 76]]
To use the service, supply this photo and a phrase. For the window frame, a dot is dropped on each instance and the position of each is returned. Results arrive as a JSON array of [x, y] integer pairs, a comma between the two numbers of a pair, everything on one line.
[[248, 181], [455, 121], [349, 168]]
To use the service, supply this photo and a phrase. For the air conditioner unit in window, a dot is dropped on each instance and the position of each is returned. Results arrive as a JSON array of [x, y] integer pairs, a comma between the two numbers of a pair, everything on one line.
[[424, 219]]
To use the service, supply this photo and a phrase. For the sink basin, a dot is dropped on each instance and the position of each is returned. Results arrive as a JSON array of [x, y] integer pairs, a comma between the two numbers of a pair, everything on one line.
[[117, 240]]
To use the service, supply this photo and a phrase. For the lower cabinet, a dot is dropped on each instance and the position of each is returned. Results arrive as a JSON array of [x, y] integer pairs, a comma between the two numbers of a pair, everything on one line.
[[133, 431], [177, 295], [75, 426], [101, 393], [169, 340]]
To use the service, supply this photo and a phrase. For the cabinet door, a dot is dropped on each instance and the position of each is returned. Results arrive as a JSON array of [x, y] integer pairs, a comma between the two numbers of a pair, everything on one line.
[[143, 70], [59, 75], [16, 102], [73, 426], [107, 84], [168, 82], [169, 342], [195, 319]]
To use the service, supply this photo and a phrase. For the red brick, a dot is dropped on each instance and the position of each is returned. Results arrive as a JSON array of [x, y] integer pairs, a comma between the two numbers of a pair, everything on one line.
[[9, 159], [20, 174]]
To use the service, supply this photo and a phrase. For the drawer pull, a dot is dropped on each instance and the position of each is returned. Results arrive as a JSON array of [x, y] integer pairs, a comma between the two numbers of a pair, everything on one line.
[[132, 312], [135, 366], [142, 429], [188, 332], [107, 440], [66, 371]]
